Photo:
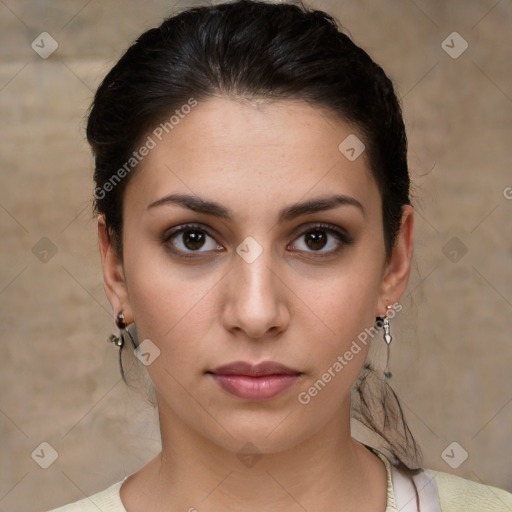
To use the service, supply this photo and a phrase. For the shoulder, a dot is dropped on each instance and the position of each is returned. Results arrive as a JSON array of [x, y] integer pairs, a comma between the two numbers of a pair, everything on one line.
[[458, 494], [108, 500]]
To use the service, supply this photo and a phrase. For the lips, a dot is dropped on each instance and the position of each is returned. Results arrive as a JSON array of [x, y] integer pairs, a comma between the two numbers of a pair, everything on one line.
[[250, 370], [255, 382]]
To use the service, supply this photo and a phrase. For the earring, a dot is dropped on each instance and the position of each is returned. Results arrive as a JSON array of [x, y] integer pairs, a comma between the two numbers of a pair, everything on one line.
[[382, 322], [118, 340], [388, 339]]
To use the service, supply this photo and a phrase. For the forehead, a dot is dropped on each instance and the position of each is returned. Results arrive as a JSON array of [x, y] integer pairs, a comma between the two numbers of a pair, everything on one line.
[[239, 150]]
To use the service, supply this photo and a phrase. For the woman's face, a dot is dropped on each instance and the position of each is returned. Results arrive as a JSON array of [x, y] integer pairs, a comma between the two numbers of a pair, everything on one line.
[[282, 260]]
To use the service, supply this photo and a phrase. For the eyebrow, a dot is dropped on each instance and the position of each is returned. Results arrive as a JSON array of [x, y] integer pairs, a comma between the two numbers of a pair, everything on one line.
[[208, 207]]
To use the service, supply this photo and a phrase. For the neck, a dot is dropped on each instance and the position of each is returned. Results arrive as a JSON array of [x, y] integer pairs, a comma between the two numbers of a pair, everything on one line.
[[327, 471]]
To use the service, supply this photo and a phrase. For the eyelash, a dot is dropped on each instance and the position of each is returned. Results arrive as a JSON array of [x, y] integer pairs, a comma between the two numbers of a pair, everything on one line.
[[340, 235]]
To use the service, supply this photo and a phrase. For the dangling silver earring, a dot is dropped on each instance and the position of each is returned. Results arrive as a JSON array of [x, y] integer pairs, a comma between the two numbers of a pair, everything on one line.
[[388, 339], [124, 330]]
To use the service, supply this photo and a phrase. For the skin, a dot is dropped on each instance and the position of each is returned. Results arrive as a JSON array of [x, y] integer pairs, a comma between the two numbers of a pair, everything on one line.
[[289, 305]]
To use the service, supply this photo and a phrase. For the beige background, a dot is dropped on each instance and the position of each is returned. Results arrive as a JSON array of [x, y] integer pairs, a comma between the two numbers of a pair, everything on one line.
[[452, 354]]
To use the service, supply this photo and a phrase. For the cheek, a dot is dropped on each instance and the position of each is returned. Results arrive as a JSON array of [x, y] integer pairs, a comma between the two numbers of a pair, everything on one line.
[[171, 307], [348, 302], [347, 306]]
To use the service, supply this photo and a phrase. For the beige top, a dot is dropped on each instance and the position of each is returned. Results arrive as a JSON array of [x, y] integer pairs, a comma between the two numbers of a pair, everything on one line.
[[437, 491]]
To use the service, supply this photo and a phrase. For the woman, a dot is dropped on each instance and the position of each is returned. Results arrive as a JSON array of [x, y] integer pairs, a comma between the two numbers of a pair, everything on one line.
[[256, 234]]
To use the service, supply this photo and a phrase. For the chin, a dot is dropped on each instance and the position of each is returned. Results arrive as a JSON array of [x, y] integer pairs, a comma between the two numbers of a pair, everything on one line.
[[268, 433]]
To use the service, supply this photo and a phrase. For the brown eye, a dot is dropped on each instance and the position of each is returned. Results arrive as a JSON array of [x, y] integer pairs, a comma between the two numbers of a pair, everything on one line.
[[316, 240], [193, 239], [188, 239], [322, 236]]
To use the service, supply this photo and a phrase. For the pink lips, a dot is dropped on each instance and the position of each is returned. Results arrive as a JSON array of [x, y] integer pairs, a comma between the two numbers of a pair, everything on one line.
[[255, 382]]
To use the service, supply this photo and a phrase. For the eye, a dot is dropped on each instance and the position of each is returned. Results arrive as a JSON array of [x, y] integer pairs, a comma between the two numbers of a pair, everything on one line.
[[322, 236], [188, 239], [191, 238]]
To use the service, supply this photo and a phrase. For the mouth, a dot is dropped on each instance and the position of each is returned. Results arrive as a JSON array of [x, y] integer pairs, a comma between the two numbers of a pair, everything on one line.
[[255, 382]]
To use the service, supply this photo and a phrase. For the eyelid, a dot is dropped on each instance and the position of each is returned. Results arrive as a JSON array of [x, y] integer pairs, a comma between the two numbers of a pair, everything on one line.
[[312, 226], [183, 227]]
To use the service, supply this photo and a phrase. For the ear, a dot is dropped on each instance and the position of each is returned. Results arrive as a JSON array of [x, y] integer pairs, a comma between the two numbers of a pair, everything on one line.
[[397, 269], [114, 280]]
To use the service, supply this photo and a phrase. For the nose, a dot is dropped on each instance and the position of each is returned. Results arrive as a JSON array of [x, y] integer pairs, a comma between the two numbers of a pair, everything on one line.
[[256, 298]]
